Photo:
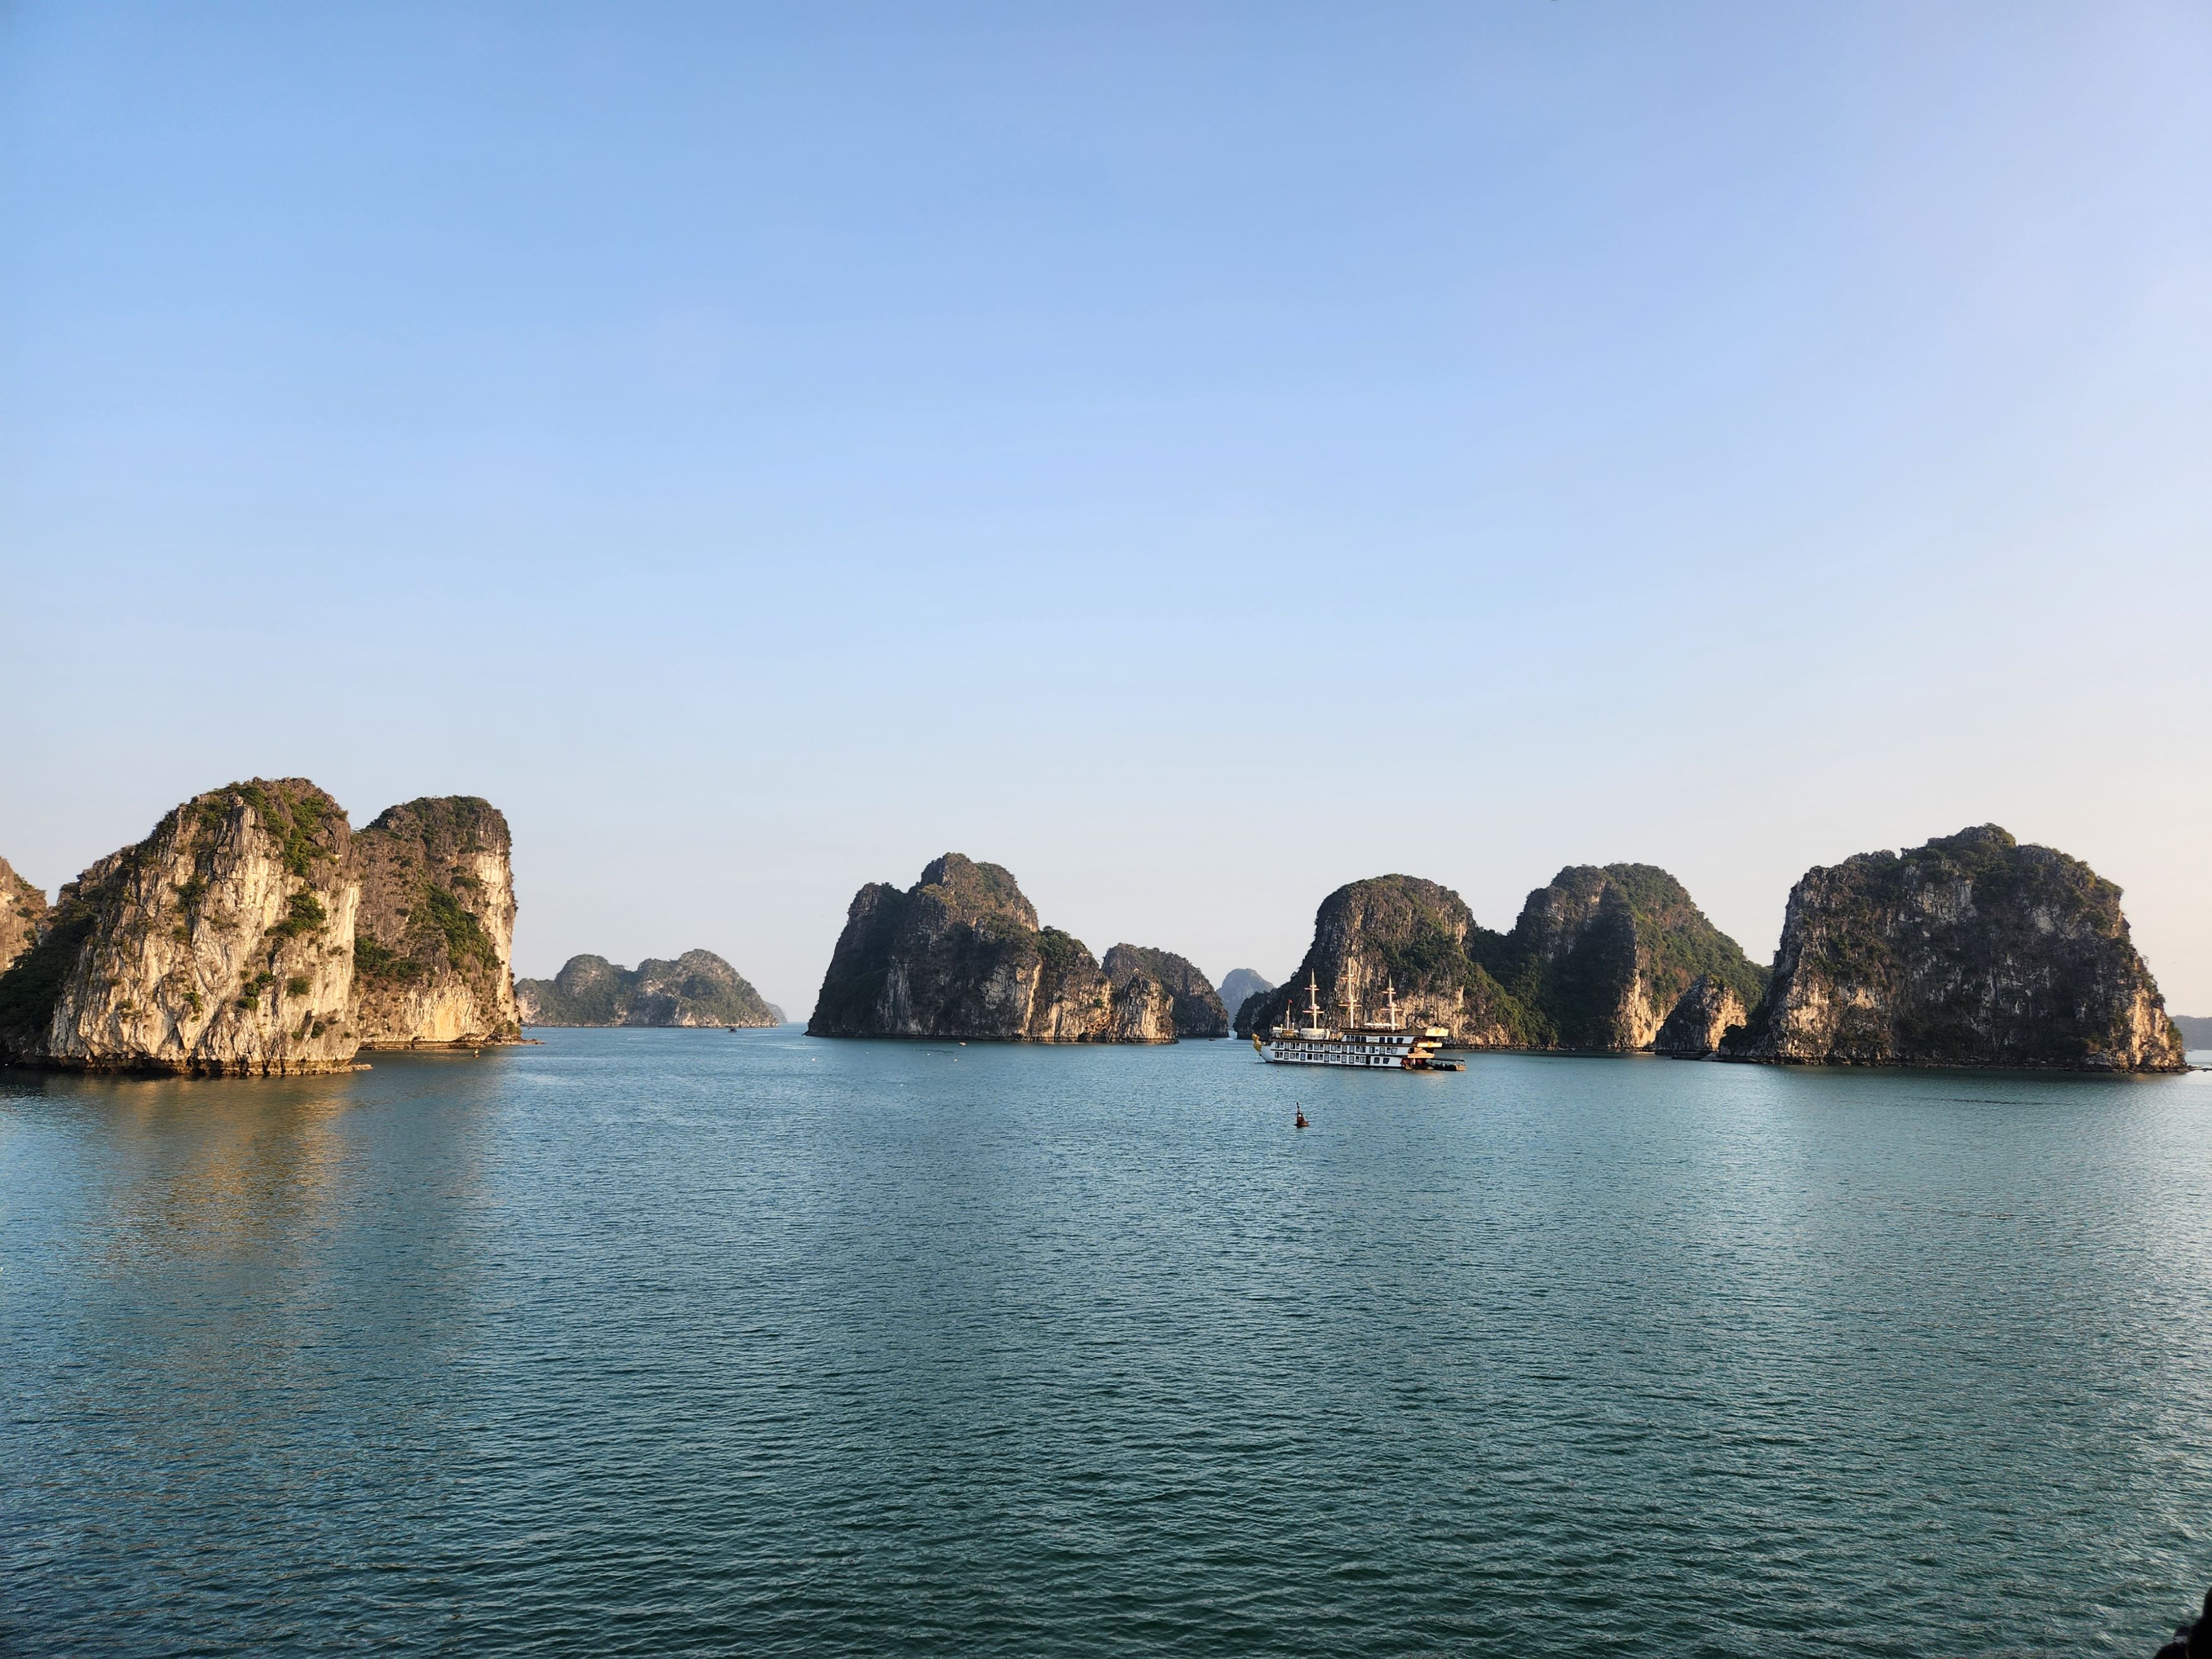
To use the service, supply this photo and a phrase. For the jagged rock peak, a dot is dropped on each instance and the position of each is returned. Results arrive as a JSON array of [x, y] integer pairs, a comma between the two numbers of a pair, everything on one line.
[[1404, 932], [433, 944], [1602, 954], [22, 915], [1702, 1017], [1238, 985], [1198, 1010], [697, 988], [961, 954], [221, 943], [1597, 957], [1971, 950]]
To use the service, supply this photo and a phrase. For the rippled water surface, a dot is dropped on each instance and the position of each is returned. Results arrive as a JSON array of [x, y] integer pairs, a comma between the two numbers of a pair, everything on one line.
[[666, 1341]]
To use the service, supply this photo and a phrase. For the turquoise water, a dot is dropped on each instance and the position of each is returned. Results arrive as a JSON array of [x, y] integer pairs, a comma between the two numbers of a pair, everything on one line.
[[647, 1342]]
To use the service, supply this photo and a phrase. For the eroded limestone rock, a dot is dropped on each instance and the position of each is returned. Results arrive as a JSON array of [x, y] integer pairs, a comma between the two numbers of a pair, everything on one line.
[[221, 944], [433, 944], [1970, 950], [961, 954]]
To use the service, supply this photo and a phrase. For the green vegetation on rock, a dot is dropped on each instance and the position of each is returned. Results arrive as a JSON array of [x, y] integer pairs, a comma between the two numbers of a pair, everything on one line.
[[1596, 962], [697, 988], [1971, 950]]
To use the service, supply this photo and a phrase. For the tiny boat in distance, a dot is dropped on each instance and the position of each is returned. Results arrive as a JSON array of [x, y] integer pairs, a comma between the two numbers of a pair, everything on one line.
[[1387, 1044]]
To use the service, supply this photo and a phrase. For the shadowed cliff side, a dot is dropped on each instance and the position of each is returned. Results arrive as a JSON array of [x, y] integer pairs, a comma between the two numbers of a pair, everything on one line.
[[1707, 1011], [221, 944], [22, 915], [1603, 955], [1597, 960], [1970, 950], [1197, 1008], [961, 954], [435, 938], [1238, 984], [1415, 935]]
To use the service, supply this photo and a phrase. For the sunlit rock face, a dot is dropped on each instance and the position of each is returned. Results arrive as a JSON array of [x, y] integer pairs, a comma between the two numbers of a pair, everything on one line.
[[1702, 1017], [433, 944], [962, 954], [1402, 933], [22, 915], [1970, 950], [1196, 1008], [221, 944]]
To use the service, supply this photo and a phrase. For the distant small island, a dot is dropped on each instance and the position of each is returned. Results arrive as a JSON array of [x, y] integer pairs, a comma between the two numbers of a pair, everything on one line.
[[1238, 985], [697, 988]]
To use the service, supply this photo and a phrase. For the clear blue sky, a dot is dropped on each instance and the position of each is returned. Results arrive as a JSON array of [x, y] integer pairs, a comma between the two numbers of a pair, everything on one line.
[[1194, 456]]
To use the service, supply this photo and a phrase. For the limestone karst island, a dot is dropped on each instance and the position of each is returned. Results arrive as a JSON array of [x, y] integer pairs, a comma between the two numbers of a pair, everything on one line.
[[254, 932], [1970, 950]]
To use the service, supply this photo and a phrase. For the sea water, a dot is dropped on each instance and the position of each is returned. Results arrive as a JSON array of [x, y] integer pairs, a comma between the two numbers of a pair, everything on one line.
[[683, 1341]]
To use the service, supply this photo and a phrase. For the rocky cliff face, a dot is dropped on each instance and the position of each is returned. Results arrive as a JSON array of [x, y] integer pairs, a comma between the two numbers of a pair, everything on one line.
[[1197, 1008], [1402, 931], [221, 944], [1970, 951], [1597, 961], [961, 954], [1602, 955], [434, 942], [697, 988], [1236, 986], [1703, 1015], [22, 915]]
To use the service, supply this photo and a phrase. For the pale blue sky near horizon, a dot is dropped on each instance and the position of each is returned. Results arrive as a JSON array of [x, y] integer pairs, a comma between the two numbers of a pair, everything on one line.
[[763, 447]]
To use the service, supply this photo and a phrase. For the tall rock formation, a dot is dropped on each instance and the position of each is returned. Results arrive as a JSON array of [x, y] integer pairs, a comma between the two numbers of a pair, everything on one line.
[[1597, 961], [1237, 985], [1197, 1011], [22, 915], [1970, 951], [1412, 935], [1702, 1016], [221, 944], [433, 943], [961, 954], [1603, 956], [697, 988]]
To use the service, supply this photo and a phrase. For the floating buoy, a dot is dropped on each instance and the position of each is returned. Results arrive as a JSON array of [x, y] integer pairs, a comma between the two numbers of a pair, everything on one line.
[[1301, 1123]]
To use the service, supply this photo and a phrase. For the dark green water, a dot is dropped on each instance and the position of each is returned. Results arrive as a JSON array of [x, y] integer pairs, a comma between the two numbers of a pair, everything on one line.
[[669, 1341]]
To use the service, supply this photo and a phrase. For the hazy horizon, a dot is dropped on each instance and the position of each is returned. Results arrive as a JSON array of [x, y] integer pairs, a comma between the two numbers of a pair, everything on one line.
[[760, 452]]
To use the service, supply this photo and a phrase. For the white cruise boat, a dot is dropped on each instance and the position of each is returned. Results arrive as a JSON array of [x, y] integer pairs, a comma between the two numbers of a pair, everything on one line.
[[1387, 1042]]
